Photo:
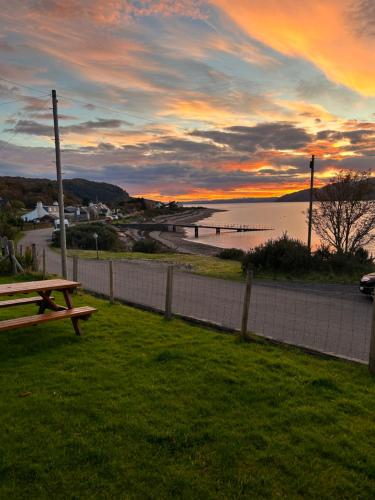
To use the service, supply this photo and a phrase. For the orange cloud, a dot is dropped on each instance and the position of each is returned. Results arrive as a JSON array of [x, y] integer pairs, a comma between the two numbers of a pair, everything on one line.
[[247, 191], [321, 31]]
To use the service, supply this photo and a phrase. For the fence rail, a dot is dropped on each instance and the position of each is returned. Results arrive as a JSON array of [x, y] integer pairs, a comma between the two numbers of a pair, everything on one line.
[[330, 319]]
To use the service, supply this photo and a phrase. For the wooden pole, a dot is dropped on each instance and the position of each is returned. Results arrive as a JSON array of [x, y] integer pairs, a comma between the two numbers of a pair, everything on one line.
[[75, 267], [3, 246], [20, 250], [246, 303], [312, 164], [169, 293], [34, 258], [371, 363], [12, 256], [64, 266], [111, 283], [44, 263]]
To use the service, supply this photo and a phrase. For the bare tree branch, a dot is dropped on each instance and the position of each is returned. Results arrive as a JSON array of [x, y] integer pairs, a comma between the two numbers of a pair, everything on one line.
[[344, 217]]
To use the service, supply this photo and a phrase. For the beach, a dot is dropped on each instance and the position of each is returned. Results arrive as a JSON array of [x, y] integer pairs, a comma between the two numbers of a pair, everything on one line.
[[176, 240]]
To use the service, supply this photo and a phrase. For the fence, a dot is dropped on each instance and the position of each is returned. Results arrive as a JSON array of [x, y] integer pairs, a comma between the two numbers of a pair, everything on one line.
[[330, 319]]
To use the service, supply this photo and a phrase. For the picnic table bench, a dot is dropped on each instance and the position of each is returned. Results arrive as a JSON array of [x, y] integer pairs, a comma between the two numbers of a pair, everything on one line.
[[44, 300]]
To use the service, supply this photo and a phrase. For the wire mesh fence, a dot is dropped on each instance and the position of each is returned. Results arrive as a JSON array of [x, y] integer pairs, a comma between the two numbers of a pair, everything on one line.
[[327, 319], [331, 319]]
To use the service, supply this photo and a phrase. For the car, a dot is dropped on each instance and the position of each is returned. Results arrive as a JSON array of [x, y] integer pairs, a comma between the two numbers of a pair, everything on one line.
[[367, 284]]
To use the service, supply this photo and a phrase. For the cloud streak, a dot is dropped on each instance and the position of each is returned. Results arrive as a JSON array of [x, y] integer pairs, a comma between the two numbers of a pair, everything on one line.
[[189, 99]]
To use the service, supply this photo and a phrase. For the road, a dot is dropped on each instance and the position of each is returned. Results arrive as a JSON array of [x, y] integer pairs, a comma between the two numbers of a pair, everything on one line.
[[333, 319]]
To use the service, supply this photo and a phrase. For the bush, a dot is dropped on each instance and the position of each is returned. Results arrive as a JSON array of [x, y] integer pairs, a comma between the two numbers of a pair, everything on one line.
[[288, 255], [81, 236], [340, 263], [6, 229], [146, 246], [26, 260], [281, 255], [231, 254]]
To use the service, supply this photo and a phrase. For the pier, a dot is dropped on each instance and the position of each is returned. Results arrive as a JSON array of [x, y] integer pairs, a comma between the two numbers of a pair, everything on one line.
[[157, 226]]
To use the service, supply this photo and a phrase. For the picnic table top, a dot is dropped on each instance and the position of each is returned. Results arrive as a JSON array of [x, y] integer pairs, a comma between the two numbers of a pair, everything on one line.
[[37, 286]]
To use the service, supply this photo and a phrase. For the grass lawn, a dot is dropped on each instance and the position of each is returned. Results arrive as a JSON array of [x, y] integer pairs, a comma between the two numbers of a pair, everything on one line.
[[199, 264], [143, 408]]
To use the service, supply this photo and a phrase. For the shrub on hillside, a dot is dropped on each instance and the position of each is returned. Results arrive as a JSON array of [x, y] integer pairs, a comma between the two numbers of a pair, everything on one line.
[[146, 246], [81, 236], [231, 254]]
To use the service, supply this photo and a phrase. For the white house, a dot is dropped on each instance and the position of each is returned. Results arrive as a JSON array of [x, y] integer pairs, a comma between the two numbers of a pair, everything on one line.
[[53, 209], [38, 213]]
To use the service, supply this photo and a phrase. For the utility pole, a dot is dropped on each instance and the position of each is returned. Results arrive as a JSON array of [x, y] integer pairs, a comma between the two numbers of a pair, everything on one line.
[[312, 165], [59, 187]]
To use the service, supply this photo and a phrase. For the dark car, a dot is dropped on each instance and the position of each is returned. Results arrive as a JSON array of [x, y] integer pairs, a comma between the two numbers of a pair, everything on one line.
[[367, 283]]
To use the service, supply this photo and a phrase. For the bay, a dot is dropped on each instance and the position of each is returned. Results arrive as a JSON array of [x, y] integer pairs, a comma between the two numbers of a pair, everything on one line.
[[282, 217]]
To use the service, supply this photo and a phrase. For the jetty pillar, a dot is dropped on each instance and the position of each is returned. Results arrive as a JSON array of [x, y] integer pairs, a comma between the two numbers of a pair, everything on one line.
[[196, 231], [217, 230]]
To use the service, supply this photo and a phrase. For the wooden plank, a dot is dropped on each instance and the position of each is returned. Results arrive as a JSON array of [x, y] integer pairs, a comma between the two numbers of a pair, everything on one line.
[[22, 302], [37, 286], [78, 312]]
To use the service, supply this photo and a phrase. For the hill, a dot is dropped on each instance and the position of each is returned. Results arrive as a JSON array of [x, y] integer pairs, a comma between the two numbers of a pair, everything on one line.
[[304, 194], [76, 191], [232, 200]]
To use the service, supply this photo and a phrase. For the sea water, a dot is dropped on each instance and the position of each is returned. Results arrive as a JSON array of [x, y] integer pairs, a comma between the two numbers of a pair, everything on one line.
[[287, 218]]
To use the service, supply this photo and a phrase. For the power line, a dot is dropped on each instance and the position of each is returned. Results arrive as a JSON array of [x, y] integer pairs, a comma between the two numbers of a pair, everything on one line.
[[79, 101], [9, 102], [25, 86]]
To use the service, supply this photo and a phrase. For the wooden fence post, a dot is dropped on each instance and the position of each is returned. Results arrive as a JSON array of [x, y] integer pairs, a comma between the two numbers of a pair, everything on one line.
[[35, 264], [169, 293], [4, 248], [75, 267], [246, 303], [12, 256], [111, 283], [20, 250], [371, 363], [44, 263]]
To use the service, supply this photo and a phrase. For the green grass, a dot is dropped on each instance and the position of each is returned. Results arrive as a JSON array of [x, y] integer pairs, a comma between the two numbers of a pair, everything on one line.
[[219, 268], [203, 265], [143, 408]]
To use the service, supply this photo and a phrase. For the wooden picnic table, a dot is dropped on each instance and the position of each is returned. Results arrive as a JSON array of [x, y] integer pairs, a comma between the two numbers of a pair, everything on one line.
[[45, 301]]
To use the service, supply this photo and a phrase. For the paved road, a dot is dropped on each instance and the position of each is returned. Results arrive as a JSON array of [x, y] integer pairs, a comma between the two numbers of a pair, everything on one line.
[[334, 319]]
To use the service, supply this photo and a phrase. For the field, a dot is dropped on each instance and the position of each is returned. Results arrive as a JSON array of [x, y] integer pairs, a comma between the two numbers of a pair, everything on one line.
[[144, 408]]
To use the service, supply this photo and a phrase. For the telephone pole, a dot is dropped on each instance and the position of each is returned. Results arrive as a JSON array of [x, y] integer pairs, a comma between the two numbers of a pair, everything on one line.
[[312, 165], [59, 187]]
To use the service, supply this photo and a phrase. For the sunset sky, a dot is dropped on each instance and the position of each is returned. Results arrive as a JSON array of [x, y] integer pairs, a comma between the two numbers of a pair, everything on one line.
[[189, 99]]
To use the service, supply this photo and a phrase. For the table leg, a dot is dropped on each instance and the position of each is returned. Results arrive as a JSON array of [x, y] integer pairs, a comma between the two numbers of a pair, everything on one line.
[[69, 304], [48, 303]]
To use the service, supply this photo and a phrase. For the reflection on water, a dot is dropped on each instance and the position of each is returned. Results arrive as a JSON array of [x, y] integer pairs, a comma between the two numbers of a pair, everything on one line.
[[283, 217]]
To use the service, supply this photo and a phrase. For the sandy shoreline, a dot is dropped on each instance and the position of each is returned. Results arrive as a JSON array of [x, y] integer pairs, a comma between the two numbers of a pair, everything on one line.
[[176, 242]]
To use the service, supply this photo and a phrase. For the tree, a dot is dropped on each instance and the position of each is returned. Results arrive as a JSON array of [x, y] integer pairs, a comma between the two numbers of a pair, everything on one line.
[[345, 214]]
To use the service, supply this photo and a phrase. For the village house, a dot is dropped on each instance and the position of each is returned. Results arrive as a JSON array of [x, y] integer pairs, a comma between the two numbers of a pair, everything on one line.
[[39, 213]]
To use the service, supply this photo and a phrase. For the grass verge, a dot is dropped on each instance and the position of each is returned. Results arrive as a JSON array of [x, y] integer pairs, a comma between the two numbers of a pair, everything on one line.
[[219, 268], [144, 408], [203, 265]]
